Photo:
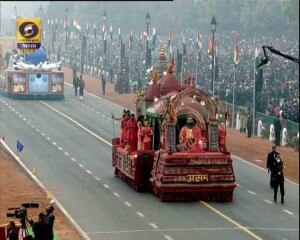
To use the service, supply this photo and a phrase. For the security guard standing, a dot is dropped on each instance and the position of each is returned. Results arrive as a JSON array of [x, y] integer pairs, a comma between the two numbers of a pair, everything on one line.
[[278, 178]]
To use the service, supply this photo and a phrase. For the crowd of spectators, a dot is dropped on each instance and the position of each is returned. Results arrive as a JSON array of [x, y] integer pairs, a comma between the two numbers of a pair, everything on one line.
[[280, 76]]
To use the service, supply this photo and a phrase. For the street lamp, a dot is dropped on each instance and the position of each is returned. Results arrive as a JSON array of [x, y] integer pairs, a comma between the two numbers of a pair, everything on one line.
[[147, 51], [66, 12], [213, 26]]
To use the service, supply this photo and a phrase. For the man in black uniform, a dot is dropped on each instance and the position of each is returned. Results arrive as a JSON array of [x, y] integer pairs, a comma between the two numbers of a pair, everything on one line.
[[249, 123], [277, 128], [270, 164], [49, 222], [278, 178], [75, 83], [12, 234], [103, 81], [81, 87], [39, 228]]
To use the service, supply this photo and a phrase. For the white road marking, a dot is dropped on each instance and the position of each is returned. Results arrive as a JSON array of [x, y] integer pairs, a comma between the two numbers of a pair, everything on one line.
[[80, 165], [128, 204], [109, 119], [116, 194], [54, 143], [67, 154], [153, 225], [97, 112], [73, 159], [60, 148], [105, 185], [13, 109], [32, 126], [49, 139], [98, 179], [16, 113], [20, 115], [253, 193], [88, 171], [9, 107], [168, 237], [288, 212], [38, 130], [238, 184], [257, 160], [28, 122], [103, 115], [268, 201], [43, 134], [116, 122], [24, 119], [6, 104], [140, 214]]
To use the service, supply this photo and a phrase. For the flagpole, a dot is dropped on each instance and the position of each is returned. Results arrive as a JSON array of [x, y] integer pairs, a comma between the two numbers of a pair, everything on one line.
[[233, 95], [196, 75], [253, 100]]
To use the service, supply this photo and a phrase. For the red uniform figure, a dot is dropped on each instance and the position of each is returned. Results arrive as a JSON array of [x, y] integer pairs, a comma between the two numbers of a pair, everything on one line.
[[132, 132], [222, 137], [147, 137], [125, 118]]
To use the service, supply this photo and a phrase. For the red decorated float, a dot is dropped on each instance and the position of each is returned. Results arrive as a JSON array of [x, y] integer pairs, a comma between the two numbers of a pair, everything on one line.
[[185, 157]]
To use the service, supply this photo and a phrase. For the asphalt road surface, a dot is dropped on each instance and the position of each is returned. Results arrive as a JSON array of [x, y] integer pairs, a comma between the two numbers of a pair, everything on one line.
[[68, 143]]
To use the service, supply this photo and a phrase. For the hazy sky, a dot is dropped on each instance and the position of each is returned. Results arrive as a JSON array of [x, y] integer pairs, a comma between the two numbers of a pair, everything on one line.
[[25, 8]]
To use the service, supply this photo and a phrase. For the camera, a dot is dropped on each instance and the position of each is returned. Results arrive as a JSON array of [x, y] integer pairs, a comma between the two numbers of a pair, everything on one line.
[[21, 212]]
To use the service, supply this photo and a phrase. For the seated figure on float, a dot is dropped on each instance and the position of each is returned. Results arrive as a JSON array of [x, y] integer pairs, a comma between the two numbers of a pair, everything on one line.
[[146, 136], [190, 137]]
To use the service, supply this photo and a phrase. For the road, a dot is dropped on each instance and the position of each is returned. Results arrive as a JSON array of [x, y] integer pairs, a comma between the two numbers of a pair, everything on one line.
[[68, 143]]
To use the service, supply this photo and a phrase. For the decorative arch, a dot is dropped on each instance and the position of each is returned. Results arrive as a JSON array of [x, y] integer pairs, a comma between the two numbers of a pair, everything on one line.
[[199, 96]]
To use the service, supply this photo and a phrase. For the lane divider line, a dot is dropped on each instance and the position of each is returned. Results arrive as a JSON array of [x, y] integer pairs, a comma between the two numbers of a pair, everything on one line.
[[268, 201], [168, 237], [45, 190], [140, 214], [128, 204], [288, 212], [252, 234], [116, 194], [105, 185], [253, 193], [153, 225], [77, 123]]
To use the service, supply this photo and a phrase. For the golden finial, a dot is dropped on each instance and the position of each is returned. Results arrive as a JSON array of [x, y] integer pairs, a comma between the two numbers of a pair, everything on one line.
[[171, 66], [155, 77]]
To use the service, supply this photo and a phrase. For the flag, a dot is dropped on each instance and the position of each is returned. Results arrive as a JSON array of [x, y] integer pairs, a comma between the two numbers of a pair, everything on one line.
[[227, 113], [111, 32], [19, 146], [130, 40], [119, 34], [95, 31], [87, 29], [169, 41], [153, 37], [236, 48], [145, 36], [210, 45], [76, 24], [183, 46]]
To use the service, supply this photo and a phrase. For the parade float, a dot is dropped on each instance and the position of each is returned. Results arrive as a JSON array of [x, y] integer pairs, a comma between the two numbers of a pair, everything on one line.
[[187, 160], [32, 77]]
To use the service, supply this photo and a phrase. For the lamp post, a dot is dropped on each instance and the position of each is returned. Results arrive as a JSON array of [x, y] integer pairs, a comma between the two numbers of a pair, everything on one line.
[[0, 18], [66, 12], [147, 51], [213, 26], [104, 23]]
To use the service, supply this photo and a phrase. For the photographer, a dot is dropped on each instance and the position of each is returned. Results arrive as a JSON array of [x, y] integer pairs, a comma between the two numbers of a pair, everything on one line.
[[39, 228], [49, 222], [13, 234]]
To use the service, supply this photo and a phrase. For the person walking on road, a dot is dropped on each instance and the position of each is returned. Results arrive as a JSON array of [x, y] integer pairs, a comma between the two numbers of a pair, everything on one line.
[[49, 222], [278, 178], [75, 83], [249, 123], [271, 163], [81, 87], [103, 80]]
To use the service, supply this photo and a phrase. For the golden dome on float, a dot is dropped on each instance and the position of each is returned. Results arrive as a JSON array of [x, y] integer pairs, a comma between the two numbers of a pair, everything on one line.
[[161, 65], [169, 82], [153, 90]]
